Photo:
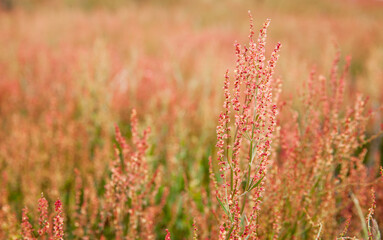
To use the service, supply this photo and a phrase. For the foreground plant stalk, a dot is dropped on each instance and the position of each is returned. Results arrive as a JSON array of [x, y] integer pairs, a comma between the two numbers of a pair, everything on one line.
[[244, 154]]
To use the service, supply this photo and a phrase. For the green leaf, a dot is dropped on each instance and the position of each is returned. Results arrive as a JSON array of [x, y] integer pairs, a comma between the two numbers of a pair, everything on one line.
[[256, 184], [224, 209]]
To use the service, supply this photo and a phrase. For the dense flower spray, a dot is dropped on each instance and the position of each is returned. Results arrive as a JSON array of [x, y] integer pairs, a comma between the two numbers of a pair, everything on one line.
[[43, 219], [44, 231], [244, 137], [131, 190], [58, 221], [26, 227]]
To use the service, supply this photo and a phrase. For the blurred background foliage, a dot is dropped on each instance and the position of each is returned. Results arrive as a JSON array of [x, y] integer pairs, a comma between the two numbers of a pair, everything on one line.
[[70, 69]]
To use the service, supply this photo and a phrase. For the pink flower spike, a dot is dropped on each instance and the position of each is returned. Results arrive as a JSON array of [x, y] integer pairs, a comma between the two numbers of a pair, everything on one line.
[[167, 237]]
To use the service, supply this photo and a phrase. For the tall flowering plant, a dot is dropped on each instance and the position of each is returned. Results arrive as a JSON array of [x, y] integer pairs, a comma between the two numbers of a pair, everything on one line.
[[130, 192], [244, 136]]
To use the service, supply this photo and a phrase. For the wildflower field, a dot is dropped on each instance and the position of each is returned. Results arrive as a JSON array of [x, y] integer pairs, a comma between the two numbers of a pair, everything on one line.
[[165, 119]]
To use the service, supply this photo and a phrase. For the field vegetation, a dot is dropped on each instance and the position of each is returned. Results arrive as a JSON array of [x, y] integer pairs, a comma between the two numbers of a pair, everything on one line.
[[164, 119]]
